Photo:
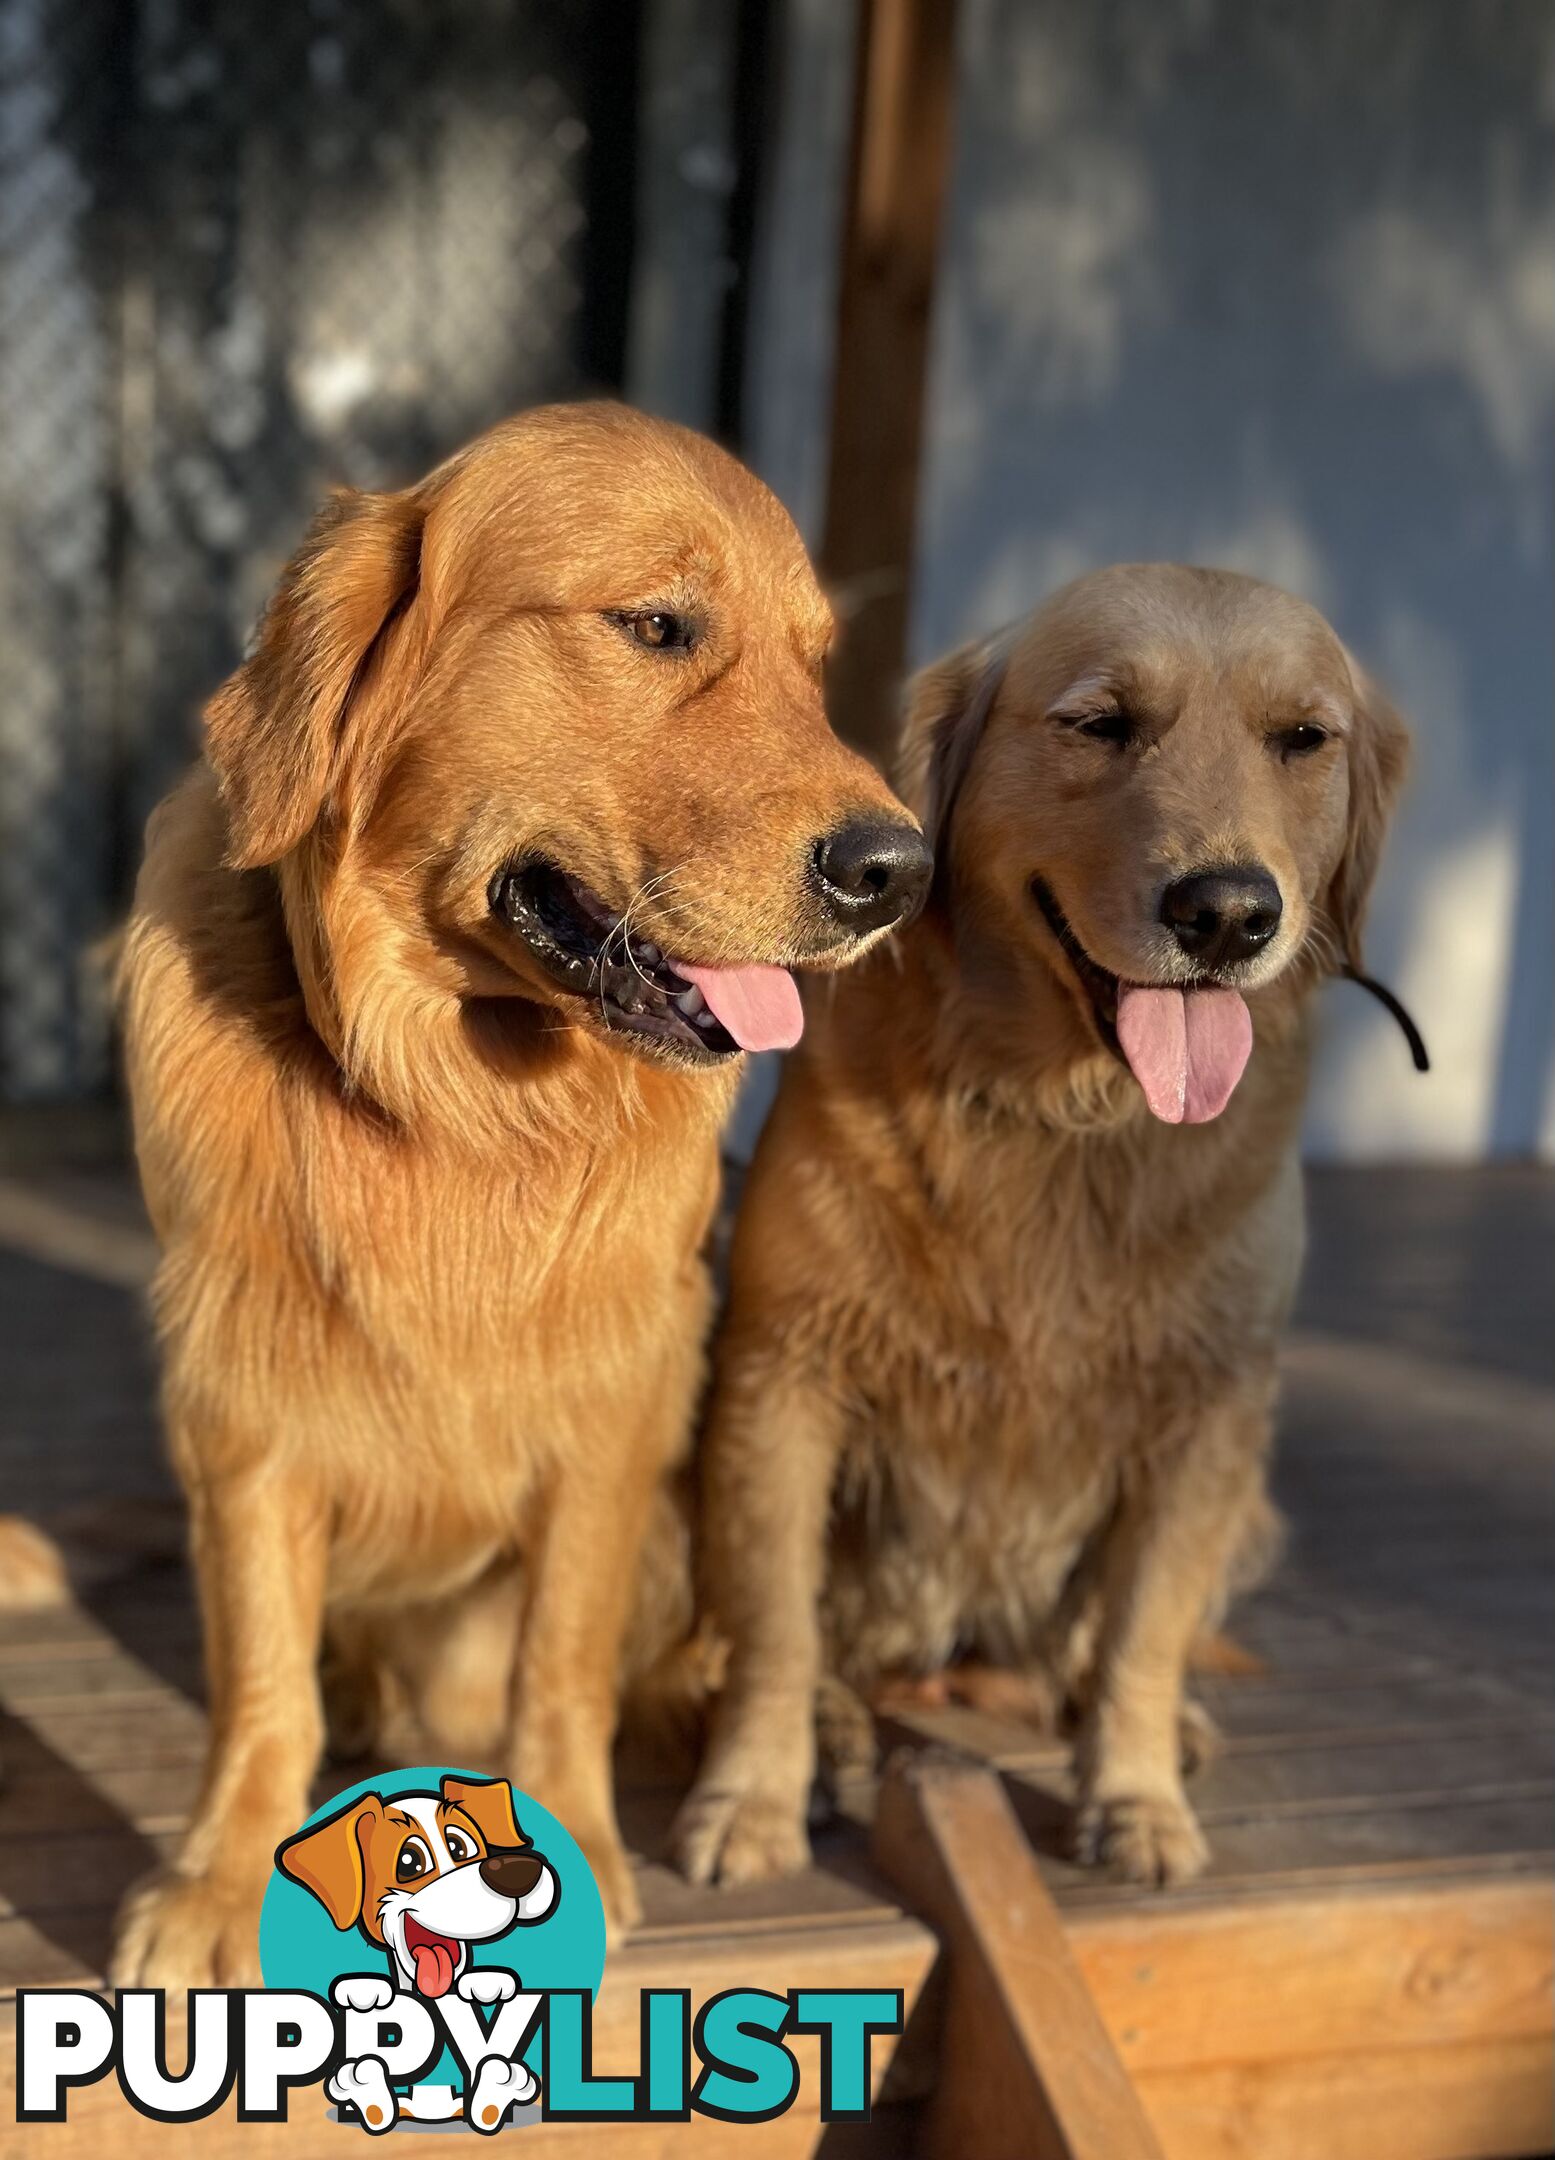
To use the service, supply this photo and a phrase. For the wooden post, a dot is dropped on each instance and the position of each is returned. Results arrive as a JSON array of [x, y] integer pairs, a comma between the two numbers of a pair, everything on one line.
[[904, 91], [1027, 2069]]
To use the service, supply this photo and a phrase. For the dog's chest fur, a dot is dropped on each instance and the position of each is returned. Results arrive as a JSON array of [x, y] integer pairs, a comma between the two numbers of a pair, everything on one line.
[[1074, 1301], [424, 1324]]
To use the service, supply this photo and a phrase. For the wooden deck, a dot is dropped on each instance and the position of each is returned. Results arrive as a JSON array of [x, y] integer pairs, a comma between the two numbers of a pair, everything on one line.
[[1366, 1969]]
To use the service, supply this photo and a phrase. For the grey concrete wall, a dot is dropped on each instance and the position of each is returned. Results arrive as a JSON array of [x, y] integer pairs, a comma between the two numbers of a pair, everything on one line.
[[1274, 286]]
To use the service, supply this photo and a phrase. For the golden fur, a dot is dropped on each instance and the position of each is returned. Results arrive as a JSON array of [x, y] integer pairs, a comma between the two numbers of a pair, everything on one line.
[[431, 1302], [998, 1367]]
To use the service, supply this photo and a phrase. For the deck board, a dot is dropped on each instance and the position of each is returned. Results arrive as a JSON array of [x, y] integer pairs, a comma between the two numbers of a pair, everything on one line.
[[1397, 1745]]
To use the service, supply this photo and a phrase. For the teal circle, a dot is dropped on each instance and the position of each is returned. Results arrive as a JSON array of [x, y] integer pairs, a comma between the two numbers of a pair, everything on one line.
[[300, 1946]]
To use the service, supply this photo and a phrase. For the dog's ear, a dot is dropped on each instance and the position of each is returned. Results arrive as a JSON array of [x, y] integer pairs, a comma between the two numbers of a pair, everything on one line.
[[940, 726], [1378, 754], [277, 733], [328, 1859], [489, 1804]]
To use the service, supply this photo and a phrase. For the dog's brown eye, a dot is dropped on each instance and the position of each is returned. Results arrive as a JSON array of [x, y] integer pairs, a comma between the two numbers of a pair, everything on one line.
[[1301, 740], [413, 1862], [459, 1847], [1107, 727], [660, 631]]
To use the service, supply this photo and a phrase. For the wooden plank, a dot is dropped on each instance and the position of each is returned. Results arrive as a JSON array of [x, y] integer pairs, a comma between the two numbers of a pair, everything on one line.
[[1259, 1716], [59, 1891], [1487, 2101], [1441, 1763], [150, 1798], [45, 1875], [1337, 1848], [904, 94], [1026, 2067], [132, 1734], [1419, 1966]]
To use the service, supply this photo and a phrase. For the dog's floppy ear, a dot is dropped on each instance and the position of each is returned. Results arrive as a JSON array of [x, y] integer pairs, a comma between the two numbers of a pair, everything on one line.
[[328, 1859], [938, 736], [489, 1804], [1379, 758], [277, 732]]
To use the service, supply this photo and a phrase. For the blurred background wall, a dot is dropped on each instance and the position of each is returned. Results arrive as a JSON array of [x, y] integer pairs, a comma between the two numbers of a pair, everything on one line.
[[1274, 286], [1233, 280]]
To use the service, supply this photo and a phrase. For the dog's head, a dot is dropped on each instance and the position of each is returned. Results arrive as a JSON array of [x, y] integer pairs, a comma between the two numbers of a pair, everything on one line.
[[1168, 790], [539, 743], [423, 1875]]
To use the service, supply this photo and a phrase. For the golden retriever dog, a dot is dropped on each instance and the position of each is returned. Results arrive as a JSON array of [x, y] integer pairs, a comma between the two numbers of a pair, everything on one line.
[[1022, 1232], [434, 993]]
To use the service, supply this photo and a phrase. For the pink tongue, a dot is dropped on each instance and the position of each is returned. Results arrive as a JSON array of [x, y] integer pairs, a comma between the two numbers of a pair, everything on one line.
[[758, 1005], [1186, 1050], [434, 1967]]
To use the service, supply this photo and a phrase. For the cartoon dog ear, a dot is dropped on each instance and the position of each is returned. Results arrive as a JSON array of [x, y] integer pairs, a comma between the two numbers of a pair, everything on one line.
[[489, 1804], [1378, 753], [328, 1859], [278, 732]]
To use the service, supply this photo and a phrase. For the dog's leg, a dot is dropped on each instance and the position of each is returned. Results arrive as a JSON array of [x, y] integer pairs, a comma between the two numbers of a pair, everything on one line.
[[579, 1576], [259, 1549], [1167, 1554], [769, 1457]]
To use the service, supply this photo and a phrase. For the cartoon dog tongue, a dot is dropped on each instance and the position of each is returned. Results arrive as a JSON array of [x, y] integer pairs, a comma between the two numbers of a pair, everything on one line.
[[758, 1005], [434, 1965], [1187, 1049]]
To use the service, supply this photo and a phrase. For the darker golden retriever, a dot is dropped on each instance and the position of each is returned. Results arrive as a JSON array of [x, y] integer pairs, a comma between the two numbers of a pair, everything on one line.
[[1022, 1233], [438, 974]]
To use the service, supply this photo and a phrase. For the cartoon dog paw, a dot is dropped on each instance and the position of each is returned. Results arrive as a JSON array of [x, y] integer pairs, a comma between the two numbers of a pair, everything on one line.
[[363, 1991], [364, 2086], [498, 2086], [487, 1984]]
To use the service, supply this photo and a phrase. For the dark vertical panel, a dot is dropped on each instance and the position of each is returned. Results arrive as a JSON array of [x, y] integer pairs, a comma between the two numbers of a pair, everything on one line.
[[758, 94]]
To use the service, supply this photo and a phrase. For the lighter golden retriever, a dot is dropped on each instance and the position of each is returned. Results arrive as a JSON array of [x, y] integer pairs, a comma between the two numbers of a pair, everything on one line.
[[439, 971], [1022, 1233]]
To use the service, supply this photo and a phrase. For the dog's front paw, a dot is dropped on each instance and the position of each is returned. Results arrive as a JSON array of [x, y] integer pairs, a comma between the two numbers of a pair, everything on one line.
[[1152, 1839], [364, 2086], [487, 1984], [363, 1991], [185, 1931], [729, 1836], [498, 2086]]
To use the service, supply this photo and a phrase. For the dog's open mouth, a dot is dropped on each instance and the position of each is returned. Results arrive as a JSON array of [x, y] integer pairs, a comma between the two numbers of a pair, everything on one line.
[[634, 986], [435, 1957], [1187, 1046]]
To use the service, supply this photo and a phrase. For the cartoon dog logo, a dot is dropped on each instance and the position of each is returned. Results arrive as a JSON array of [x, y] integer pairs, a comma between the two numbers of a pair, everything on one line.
[[422, 1876]]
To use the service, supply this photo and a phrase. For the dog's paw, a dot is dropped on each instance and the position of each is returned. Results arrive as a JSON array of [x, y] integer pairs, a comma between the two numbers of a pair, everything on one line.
[[1153, 1840], [487, 1984], [185, 1931], [364, 2086], [731, 1837], [363, 1991], [498, 2086]]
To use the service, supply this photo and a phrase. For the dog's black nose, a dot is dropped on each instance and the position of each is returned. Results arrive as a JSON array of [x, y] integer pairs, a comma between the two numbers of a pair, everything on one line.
[[873, 872], [511, 1874], [1220, 917]]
